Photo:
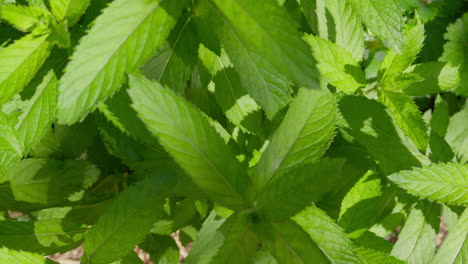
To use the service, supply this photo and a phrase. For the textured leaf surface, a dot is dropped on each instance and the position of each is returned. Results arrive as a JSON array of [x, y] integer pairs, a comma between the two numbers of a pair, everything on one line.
[[189, 137], [38, 183], [11, 148], [337, 21], [39, 113], [232, 242], [173, 63], [69, 9], [384, 19], [348, 29], [407, 116], [303, 136], [454, 250], [127, 219], [20, 62], [373, 128], [98, 65], [435, 77], [446, 183], [24, 18], [457, 133], [22, 257], [336, 64], [208, 240], [264, 47], [288, 243], [395, 63], [417, 240], [370, 256], [298, 188], [455, 50], [328, 236], [44, 237], [362, 204]]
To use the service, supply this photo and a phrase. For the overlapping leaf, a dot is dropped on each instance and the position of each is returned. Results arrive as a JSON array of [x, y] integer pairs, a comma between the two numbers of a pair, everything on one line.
[[328, 236], [303, 136], [417, 240], [395, 63], [336, 64], [338, 22], [39, 183], [264, 47], [39, 113], [190, 138], [127, 219], [407, 116], [98, 65], [43, 237], [384, 19], [454, 250], [20, 62], [288, 243], [71, 10], [455, 50]]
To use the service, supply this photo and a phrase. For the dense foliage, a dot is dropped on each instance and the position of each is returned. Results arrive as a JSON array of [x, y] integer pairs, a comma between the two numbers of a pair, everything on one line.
[[261, 131]]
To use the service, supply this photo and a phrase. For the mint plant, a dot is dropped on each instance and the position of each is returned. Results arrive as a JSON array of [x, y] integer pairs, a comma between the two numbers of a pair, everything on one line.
[[289, 131]]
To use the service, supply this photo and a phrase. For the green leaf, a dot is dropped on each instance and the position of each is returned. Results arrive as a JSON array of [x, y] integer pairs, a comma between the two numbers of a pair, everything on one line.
[[209, 240], [39, 183], [370, 256], [231, 95], [363, 204], [98, 65], [455, 49], [417, 242], [38, 114], [127, 219], [343, 24], [446, 183], [384, 19], [395, 63], [24, 18], [11, 148], [264, 47], [70, 10], [288, 243], [336, 64], [440, 149], [162, 249], [435, 77], [173, 63], [457, 133], [192, 141], [303, 136], [119, 112], [454, 250], [407, 116], [21, 257], [328, 236], [20, 62], [373, 128], [315, 14], [44, 237], [287, 195]]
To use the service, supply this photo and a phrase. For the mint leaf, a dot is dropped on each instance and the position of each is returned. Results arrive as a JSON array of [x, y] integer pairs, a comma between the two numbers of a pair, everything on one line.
[[191, 140], [303, 136], [127, 219], [92, 75], [444, 183]]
